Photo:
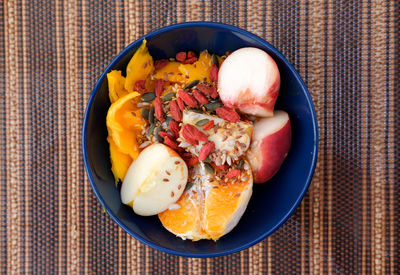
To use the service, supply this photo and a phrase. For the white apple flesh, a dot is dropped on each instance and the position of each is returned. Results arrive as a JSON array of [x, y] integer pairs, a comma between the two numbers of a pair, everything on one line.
[[154, 181], [249, 80], [270, 145]]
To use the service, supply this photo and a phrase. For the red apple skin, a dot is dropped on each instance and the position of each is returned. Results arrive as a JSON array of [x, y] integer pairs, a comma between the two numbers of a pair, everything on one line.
[[267, 157]]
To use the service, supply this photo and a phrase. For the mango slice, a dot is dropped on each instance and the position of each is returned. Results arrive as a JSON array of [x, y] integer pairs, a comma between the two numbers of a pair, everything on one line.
[[125, 124], [140, 66], [116, 85], [199, 70], [170, 72], [120, 162]]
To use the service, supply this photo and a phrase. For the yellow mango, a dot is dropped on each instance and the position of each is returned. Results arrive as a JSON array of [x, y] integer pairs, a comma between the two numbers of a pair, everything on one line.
[[139, 67], [120, 162], [125, 124], [170, 72], [199, 70], [116, 84]]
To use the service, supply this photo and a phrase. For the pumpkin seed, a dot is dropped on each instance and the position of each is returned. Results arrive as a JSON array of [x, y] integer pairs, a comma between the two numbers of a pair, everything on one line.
[[199, 111], [208, 168], [158, 137], [192, 84], [168, 119], [145, 113], [202, 122], [212, 106], [169, 96], [189, 185], [148, 97], [207, 159], [240, 164], [151, 115], [151, 129], [215, 60]]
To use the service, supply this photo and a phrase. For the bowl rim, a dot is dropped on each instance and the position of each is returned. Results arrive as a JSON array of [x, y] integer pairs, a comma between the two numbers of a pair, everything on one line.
[[136, 43]]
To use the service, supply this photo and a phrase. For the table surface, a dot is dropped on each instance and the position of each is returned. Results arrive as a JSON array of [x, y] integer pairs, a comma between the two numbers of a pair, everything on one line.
[[51, 53]]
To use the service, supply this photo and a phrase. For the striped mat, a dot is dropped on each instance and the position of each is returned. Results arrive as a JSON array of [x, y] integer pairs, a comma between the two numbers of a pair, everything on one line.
[[51, 53]]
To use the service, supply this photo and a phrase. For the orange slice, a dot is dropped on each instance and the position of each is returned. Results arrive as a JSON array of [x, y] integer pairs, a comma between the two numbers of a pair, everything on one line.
[[211, 208]]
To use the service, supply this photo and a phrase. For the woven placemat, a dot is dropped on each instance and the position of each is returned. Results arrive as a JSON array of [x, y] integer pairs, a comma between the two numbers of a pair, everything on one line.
[[52, 52]]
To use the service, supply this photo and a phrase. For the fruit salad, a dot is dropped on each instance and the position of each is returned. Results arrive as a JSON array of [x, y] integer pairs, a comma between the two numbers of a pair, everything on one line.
[[189, 136]]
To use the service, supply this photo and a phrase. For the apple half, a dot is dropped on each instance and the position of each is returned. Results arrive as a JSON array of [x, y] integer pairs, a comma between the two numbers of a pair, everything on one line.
[[270, 145]]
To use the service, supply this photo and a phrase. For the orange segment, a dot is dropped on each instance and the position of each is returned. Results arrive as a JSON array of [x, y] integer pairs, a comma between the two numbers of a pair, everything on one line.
[[224, 206], [125, 124], [139, 67], [184, 221], [214, 215], [116, 84], [120, 162]]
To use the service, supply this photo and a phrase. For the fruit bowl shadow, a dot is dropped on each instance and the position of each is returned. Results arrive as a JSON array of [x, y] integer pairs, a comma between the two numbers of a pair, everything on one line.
[[271, 204]]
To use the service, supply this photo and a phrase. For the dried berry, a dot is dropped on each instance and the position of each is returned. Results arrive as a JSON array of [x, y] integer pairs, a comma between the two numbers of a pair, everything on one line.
[[192, 161], [199, 97], [208, 125], [158, 64], [233, 173], [189, 60], [175, 111], [159, 86], [174, 127], [140, 86], [188, 99], [214, 73], [206, 150], [158, 109], [180, 103], [170, 142], [228, 114], [181, 56], [194, 133], [164, 134]]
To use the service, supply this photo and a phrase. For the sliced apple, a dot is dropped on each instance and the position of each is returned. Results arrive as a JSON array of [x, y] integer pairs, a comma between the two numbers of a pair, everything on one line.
[[155, 180], [270, 145], [249, 80]]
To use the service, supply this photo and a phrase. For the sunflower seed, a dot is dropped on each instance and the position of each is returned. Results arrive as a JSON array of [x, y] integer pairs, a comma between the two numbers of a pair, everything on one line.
[[192, 84], [148, 97]]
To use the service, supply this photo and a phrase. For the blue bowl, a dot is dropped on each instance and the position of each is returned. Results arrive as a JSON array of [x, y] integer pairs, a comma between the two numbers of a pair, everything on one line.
[[271, 204]]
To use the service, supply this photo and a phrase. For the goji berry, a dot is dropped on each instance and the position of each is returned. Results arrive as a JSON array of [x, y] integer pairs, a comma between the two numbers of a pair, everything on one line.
[[164, 134], [168, 141], [158, 64], [206, 150], [222, 166], [187, 98], [199, 97], [233, 173], [192, 161], [194, 133], [214, 92], [189, 60], [191, 54], [209, 125], [140, 86], [158, 111], [180, 103], [175, 111], [228, 114], [159, 86], [174, 128], [214, 73], [181, 56]]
